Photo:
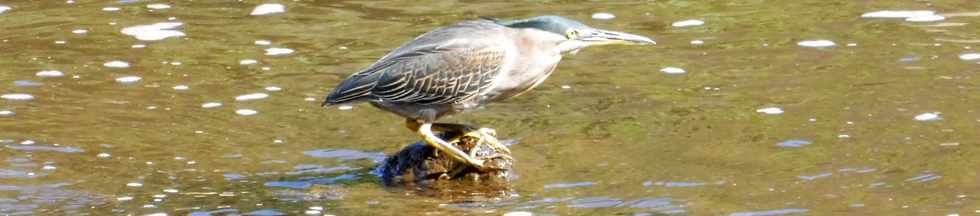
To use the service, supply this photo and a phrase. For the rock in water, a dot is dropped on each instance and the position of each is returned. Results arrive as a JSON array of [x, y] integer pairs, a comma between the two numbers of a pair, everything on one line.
[[422, 164]]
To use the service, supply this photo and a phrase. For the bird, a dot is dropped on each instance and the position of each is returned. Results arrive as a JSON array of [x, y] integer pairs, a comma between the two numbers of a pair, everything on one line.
[[466, 65]]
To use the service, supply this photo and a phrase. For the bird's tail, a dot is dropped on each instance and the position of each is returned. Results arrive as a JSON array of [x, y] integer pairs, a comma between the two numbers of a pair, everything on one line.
[[354, 89]]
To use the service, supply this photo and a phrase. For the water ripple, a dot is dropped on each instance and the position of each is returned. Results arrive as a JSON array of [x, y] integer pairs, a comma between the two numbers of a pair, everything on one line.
[[27, 83], [152, 32], [813, 177], [266, 9], [17, 96], [603, 16], [345, 154], [687, 23], [594, 202], [569, 185], [308, 182], [925, 177], [49, 73], [64, 149], [771, 212], [794, 143]]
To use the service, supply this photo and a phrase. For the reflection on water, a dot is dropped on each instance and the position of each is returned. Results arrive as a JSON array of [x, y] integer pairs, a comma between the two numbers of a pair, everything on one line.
[[743, 108]]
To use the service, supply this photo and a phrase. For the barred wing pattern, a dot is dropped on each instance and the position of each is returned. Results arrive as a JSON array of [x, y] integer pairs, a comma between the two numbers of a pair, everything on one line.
[[437, 75]]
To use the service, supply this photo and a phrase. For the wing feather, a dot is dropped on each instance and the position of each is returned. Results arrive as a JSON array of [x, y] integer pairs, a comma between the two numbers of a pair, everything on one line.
[[429, 70]]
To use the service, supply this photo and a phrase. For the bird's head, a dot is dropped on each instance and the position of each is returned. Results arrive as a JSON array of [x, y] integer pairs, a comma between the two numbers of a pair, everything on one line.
[[578, 35]]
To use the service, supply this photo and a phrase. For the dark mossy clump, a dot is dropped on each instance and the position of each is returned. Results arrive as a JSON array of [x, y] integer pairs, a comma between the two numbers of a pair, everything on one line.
[[421, 164]]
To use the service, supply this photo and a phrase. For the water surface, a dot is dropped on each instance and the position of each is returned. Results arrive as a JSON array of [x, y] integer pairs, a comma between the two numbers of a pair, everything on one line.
[[743, 108]]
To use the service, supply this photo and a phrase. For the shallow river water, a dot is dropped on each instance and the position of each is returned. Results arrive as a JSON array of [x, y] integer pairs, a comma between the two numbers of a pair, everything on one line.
[[744, 107]]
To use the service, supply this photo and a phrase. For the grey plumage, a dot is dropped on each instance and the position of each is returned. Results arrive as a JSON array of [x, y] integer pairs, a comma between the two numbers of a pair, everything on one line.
[[426, 71], [466, 65]]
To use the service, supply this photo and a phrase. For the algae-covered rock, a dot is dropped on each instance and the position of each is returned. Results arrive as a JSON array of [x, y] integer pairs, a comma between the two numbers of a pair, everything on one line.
[[422, 164]]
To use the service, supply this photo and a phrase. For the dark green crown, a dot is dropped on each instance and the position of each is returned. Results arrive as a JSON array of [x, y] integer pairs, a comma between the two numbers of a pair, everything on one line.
[[550, 23]]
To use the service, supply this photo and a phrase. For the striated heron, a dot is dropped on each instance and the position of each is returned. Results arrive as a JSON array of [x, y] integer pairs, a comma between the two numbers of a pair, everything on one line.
[[466, 65]]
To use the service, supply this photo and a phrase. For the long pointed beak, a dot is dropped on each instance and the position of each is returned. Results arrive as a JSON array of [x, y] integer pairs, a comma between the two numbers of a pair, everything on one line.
[[606, 37]]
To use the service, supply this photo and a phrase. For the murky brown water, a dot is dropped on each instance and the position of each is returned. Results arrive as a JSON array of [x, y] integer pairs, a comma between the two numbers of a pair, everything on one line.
[[882, 122]]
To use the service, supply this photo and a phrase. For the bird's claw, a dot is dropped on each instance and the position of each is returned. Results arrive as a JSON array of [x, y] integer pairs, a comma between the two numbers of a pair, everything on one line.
[[485, 164]]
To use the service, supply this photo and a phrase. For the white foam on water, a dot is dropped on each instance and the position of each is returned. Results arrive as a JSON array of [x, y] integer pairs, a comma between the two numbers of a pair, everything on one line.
[[566, 87], [158, 6], [116, 64], [210, 105], [266, 9], [697, 42], [518, 213], [138, 46], [897, 13], [6, 113], [246, 112], [687, 23], [49, 73], [4, 8], [673, 70], [929, 116], [79, 31], [273, 88], [603, 16], [248, 61], [134, 184], [48, 167], [345, 107], [310, 99], [770, 110], [170, 190], [153, 32], [129, 79], [926, 18], [263, 42], [111, 9], [278, 51], [126, 198], [816, 43], [252, 96], [970, 56], [17, 96], [60, 42], [103, 155], [181, 87]]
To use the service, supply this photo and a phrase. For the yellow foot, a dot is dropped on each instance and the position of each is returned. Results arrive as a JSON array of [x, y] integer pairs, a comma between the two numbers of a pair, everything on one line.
[[425, 131], [482, 136]]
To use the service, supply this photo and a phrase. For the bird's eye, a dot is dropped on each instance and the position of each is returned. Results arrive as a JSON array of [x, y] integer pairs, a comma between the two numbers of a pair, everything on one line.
[[572, 34]]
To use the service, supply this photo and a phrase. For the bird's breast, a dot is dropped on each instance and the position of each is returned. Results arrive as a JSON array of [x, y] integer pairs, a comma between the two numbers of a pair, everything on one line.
[[526, 74]]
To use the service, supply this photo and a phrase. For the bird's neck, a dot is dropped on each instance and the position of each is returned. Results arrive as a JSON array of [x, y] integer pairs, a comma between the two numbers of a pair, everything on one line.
[[571, 46]]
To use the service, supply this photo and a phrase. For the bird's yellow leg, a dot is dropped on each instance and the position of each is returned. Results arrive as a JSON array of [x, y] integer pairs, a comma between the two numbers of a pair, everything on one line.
[[425, 130], [486, 135]]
